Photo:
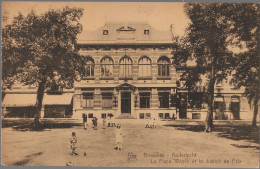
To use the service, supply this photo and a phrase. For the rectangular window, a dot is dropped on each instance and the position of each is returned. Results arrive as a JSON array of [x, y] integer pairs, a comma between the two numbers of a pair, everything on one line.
[[105, 32], [160, 115], [107, 100], [163, 69], [167, 115], [90, 115], [146, 32], [147, 115], [144, 100], [141, 115], [103, 115], [110, 115], [87, 101], [164, 100]]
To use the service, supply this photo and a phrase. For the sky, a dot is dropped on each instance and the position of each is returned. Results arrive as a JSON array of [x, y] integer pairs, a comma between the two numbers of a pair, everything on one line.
[[159, 15]]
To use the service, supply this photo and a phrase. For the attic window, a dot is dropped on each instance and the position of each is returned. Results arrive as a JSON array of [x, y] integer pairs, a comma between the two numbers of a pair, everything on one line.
[[146, 32], [105, 32]]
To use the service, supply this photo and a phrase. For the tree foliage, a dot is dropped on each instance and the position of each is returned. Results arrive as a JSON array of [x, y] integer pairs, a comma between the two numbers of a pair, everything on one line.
[[216, 31], [37, 47], [245, 20], [39, 50], [207, 42]]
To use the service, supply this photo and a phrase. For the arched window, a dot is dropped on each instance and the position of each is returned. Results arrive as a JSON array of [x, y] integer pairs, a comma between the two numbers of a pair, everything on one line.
[[163, 66], [144, 67], [89, 67], [125, 67], [107, 66]]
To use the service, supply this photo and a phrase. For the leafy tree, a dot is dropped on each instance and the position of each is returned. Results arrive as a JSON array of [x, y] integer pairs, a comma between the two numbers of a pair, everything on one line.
[[39, 49], [244, 19], [206, 41]]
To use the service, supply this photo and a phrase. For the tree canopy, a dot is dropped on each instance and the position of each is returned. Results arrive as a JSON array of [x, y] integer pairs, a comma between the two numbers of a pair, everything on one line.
[[206, 43], [215, 31], [244, 29], [40, 50], [41, 47]]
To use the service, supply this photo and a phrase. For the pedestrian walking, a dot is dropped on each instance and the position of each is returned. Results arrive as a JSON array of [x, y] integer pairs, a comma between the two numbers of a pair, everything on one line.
[[148, 123], [85, 119], [95, 123], [104, 123], [73, 143], [154, 123]]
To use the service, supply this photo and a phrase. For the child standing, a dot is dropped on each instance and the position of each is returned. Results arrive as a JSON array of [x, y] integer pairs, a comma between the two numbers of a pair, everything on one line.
[[119, 137], [104, 123], [73, 143], [85, 118], [95, 124]]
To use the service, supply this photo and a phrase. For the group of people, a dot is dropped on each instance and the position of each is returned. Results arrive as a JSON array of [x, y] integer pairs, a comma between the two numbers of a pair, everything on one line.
[[109, 122], [119, 135], [150, 123]]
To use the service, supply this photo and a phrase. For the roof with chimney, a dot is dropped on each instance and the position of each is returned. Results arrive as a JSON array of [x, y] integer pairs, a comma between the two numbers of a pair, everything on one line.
[[125, 33]]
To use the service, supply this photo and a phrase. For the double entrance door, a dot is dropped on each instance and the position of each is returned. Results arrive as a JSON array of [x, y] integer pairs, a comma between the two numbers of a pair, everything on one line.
[[126, 102]]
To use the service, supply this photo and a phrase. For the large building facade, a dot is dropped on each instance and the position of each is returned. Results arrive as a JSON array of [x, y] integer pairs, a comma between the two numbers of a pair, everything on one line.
[[128, 74]]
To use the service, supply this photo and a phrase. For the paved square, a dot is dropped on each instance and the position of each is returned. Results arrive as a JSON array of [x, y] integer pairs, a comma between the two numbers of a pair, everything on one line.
[[163, 146]]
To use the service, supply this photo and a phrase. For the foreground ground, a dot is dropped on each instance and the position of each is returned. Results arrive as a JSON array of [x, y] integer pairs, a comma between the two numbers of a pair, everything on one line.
[[168, 145]]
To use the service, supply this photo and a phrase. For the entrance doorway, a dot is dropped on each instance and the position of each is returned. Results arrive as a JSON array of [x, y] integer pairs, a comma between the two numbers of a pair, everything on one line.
[[125, 102], [183, 106], [235, 110]]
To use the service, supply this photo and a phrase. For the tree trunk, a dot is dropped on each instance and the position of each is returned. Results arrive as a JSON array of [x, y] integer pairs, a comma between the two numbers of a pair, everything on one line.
[[209, 117], [255, 107], [40, 93]]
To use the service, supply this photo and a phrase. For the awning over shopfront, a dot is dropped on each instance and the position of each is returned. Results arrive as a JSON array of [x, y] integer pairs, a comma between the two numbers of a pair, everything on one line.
[[19, 100], [62, 99], [219, 99]]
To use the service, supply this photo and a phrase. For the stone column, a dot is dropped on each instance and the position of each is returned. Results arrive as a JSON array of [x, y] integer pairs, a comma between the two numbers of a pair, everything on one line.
[[154, 98], [171, 96], [115, 99], [97, 99], [136, 99]]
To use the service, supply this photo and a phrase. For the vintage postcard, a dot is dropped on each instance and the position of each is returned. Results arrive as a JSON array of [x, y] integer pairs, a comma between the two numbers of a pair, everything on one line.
[[130, 84]]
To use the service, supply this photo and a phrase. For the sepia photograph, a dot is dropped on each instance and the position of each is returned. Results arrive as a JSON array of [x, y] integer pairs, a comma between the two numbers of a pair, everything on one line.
[[130, 84]]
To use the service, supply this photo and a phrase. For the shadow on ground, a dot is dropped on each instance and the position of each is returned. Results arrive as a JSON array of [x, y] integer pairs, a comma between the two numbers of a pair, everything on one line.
[[27, 159], [233, 132], [42, 127]]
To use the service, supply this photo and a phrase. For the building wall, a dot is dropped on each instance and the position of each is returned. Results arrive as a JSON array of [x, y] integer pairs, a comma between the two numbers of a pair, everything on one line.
[[99, 84]]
